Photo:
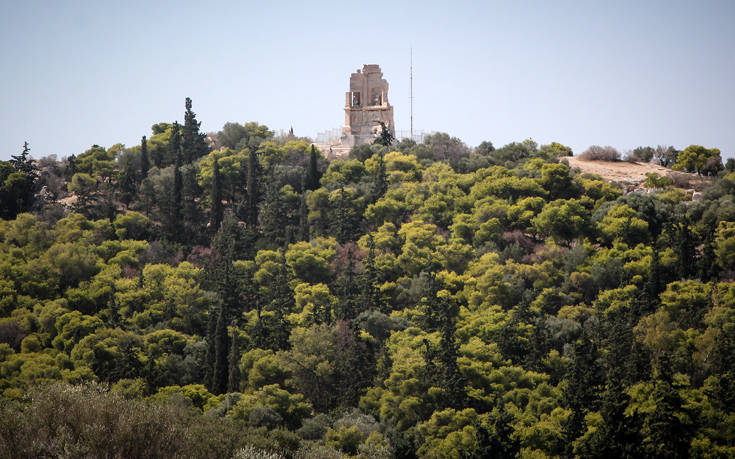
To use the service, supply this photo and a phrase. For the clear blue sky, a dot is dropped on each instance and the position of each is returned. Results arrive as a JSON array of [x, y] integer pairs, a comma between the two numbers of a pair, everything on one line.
[[623, 73]]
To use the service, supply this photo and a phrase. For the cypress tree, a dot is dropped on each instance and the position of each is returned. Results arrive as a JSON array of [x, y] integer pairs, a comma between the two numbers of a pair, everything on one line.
[[380, 180], [370, 295], [253, 192], [144, 161], [347, 306], [708, 260], [211, 354], [23, 163], [233, 380], [583, 379], [193, 141], [686, 250], [385, 138], [312, 173], [176, 197], [221, 349], [192, 213], [345, 220], [303, 219], [217, 211], [667, 436], [653, 282]]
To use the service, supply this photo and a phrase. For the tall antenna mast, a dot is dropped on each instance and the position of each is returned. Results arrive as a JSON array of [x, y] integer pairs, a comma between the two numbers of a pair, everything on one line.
[[411, 85]]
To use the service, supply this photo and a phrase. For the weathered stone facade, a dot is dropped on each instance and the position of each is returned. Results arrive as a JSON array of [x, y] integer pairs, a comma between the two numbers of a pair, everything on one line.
[[366, 104]]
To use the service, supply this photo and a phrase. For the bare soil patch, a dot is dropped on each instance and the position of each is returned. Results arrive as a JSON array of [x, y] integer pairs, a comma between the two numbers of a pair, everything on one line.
[[630, 174]]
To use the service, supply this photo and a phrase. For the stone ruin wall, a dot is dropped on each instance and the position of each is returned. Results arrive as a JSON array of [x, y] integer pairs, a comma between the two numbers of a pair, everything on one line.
[[366, 104]]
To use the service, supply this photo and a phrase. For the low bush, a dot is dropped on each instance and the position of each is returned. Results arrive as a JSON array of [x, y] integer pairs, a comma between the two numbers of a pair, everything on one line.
[[598, 153]]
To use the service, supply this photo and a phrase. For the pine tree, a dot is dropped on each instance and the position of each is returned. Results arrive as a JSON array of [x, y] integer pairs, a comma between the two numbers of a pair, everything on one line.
[[193, 141], [216, 196], [144, 161], [23, 163], [385, 137], [312, 173], [221, 348], [233, 380]]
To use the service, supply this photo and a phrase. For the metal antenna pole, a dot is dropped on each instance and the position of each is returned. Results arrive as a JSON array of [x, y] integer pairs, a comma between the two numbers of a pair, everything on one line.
[[411, 85]]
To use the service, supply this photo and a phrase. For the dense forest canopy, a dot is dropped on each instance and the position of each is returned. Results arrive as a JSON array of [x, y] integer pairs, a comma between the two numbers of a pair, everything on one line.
[[238, 294]]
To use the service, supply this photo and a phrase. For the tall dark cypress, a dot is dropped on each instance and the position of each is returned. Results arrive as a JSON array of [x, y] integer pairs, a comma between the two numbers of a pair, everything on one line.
[[176, 195], [303, 219], [685, 246], [653, 282], [345, 220], [370, 296], [667, 432], [217, 211], [380, 180], [193, 141], [144, 161], [347, 305], [312, 173], [211, 355], [233, 379], [583, 382], [253, 192], [708, 260], [221, 349]]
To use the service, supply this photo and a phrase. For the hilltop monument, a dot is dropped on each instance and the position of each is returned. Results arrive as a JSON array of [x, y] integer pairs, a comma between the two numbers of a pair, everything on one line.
[[366, 105]]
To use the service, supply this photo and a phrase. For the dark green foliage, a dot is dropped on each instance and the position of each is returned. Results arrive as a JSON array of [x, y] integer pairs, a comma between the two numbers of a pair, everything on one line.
[[497, 442], [303, 219], [685, 245], [251, 217], [221, 349], [667, 435], [175, 201], [216, 197], [583, 383], [279, 216], [498, 306], [345, 219], [312, 172], [17, 184], [144, 161], [233, 373], [379, 183], [385, 137], [193, 142]]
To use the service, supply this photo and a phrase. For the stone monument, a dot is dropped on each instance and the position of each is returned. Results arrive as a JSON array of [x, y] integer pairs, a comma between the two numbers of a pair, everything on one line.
[[366, 105]]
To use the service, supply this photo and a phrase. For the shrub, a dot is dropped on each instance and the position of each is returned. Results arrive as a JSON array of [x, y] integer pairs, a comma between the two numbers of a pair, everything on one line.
[[653, 180], [642, 154], [678, 179], [598, 153]]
